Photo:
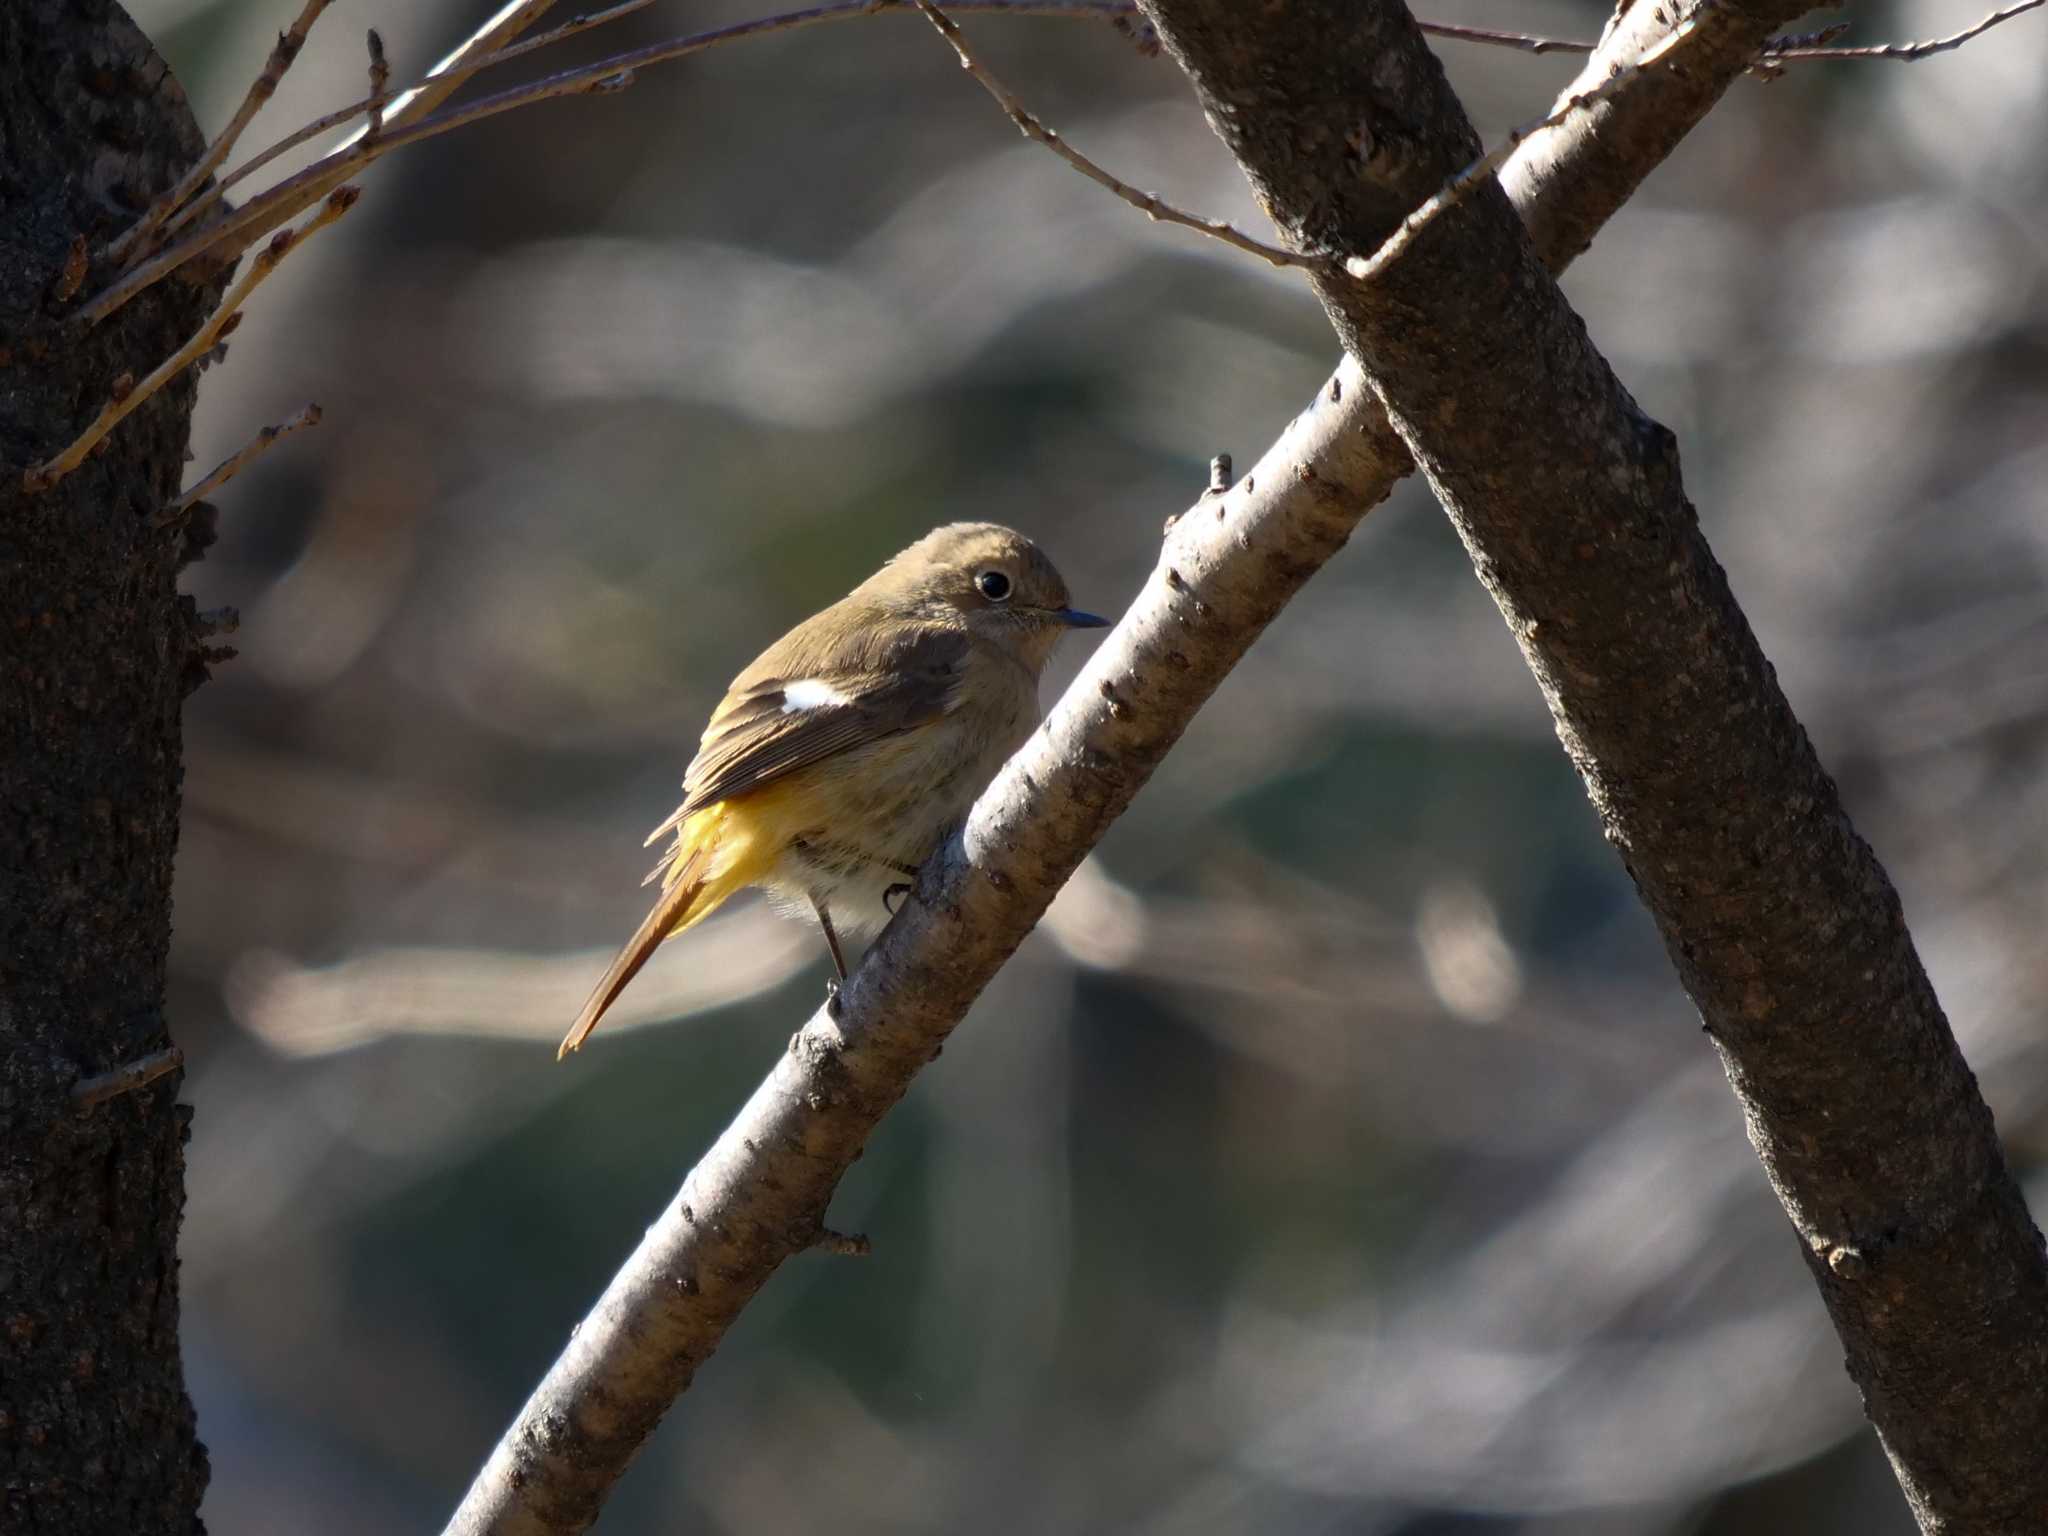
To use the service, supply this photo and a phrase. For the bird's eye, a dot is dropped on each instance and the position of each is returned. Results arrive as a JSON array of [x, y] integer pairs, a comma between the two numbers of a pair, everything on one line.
[[993, 585]]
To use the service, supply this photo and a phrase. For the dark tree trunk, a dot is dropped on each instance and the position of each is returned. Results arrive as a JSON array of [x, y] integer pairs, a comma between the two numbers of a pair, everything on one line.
[[97, 650]]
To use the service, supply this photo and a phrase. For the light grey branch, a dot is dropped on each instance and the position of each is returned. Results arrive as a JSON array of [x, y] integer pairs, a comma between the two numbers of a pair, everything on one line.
[[1230, 563]]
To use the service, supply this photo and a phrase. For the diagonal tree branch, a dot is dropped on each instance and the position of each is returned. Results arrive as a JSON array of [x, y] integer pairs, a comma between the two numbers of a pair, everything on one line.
[[1229, 565], [1779, 919]]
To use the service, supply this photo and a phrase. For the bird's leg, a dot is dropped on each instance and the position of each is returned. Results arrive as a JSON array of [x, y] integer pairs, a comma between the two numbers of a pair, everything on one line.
[[892, 898], [838, 960]]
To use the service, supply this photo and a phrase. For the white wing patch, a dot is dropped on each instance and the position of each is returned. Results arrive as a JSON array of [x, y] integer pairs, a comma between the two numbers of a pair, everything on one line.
[[811, 693]]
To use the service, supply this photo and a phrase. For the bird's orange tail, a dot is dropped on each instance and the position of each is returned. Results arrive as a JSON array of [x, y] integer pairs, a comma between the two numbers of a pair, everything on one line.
[[714, 856]]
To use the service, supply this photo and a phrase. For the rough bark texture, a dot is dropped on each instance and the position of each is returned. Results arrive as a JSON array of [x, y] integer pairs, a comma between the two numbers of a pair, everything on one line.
[[1783, 927], [96, 653], [1230, 564]]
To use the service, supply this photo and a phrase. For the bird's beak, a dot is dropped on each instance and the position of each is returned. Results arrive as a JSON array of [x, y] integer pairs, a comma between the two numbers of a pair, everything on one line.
[[1074, 618]]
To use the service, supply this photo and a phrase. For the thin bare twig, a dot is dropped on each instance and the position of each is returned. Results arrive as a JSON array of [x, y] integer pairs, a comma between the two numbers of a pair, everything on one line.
[[454, 70], [1480, 171], [1817, 40], [409, 106], [380, 80], [238, 461], [285, 145], [237, 230], [1145, 202], [1769, 64], [125, 400], [446, 77], [416, 105], [1804, 48], [127, 1077], [1907, 52], [1527, 42], [289, 42]]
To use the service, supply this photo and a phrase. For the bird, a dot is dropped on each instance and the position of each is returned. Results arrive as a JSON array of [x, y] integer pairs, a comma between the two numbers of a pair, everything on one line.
[[851, 747]]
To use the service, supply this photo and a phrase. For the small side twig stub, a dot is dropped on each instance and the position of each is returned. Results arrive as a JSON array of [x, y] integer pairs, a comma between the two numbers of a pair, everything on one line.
[[239, 460], [126, 1078]]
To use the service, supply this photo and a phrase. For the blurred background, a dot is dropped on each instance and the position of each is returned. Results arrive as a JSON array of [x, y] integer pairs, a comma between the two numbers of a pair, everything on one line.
[[1341, 1156]]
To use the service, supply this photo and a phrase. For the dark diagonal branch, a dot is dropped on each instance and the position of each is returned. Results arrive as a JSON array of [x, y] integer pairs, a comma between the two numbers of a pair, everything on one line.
[[1230, 564], [1779, 919]]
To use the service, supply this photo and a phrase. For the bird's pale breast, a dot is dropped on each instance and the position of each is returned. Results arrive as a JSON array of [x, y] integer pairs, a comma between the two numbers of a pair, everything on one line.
[[880, 809]]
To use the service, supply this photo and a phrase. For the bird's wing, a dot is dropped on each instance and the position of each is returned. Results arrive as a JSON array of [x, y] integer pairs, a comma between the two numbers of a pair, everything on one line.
[[803, 702]]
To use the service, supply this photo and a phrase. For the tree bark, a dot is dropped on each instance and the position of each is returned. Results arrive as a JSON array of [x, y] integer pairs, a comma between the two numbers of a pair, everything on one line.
[[1783, 927], [1230, 564], [97, 651]]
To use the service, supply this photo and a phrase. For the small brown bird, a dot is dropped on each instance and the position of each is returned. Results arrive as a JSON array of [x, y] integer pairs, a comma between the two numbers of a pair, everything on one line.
[[842, 757]]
